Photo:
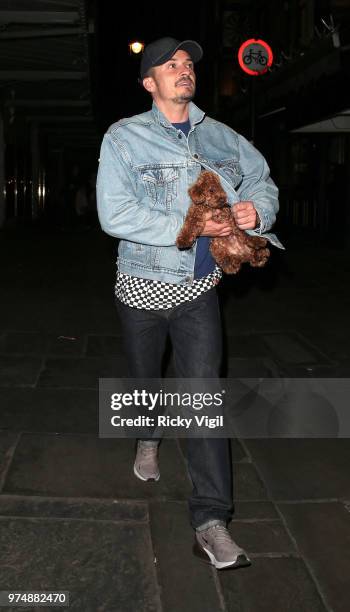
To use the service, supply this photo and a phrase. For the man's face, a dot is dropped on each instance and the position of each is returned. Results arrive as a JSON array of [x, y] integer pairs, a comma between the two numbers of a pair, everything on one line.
[[173, 81]]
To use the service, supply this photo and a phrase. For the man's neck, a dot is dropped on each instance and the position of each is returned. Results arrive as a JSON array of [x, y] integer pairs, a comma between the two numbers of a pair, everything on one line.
[[175, 113]]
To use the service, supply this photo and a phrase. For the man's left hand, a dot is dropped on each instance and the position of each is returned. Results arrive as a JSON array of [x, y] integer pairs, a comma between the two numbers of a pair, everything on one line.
[[245, 215]]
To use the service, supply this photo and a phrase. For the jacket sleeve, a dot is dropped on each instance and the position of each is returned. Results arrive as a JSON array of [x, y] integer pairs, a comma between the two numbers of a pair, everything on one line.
[[121, 213], [257, 185]]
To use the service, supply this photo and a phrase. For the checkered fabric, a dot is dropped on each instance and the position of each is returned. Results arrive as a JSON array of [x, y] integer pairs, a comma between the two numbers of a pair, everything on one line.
[[156, 295]]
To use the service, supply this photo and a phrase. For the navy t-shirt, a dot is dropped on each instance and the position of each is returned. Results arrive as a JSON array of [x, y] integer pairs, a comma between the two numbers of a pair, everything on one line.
[[204, 262]]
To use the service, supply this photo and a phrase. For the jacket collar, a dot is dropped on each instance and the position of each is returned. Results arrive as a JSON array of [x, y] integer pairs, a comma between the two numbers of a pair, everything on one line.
[[196, 115]]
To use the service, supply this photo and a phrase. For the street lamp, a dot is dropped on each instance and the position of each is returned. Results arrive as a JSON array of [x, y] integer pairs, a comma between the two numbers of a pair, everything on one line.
[[136, 47]]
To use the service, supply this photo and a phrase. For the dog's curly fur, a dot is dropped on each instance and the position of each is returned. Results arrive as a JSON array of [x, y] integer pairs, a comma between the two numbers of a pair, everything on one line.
[[228, 251]]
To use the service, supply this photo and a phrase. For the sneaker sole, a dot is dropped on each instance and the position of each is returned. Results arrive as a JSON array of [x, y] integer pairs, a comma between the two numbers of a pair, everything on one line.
[[138, 475], [207, 556]]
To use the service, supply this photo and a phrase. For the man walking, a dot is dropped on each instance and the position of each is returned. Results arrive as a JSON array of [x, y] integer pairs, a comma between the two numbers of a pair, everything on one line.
[[147, 164]]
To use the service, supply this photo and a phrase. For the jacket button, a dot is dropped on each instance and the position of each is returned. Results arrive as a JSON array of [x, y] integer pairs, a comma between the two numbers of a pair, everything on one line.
[[179, 135], [196, 155]]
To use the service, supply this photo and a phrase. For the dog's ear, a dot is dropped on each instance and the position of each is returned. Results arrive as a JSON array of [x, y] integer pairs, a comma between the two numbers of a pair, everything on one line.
[[215, 187], [198, 190], [196, 194]]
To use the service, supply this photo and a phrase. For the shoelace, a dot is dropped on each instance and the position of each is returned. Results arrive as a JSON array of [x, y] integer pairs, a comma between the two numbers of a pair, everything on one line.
[[222, 535], [148, 451]]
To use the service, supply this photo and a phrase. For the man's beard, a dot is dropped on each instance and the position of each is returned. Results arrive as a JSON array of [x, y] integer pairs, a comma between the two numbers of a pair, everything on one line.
[[184, 97]]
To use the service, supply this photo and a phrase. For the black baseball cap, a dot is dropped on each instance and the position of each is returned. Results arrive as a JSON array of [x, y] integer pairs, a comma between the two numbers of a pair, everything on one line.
[[161, 50]]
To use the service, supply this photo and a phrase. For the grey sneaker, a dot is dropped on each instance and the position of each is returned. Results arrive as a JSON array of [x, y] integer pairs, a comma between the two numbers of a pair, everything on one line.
[[216, 546], [146, 461]]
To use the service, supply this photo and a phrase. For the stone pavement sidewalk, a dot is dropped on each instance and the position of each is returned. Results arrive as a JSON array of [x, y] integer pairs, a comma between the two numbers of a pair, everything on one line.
[[72, 515]]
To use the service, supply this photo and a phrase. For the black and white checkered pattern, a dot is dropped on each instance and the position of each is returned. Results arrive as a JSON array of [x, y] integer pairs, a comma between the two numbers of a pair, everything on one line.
[[157, 295]]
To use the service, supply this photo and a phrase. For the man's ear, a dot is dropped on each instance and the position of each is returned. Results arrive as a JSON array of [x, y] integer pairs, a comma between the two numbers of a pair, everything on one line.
[[149, 84]]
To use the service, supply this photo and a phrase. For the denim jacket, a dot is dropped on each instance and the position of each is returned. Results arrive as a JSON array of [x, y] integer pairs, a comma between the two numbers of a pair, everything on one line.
[[146, 167]]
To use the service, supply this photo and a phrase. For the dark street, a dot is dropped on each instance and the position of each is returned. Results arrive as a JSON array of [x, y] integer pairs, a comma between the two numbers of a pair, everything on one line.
[[65, 490]]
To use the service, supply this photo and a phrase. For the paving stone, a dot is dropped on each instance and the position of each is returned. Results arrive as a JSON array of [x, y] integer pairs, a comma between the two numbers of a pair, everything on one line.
[[331, 339], [305, 371], [186, 582], [246, 346], [81, 373], [25, 343], [282, 585], [323, 537], [93, 561], [92, 509], [249, 368], [49, 410], [292, 348], [69, 314], [264, 537], [247, 484], [238, 452], [104, 345], [66, 344], [254, 510], [86, 466], [40, 343], [7, 440], [19, 370], [303, 469]]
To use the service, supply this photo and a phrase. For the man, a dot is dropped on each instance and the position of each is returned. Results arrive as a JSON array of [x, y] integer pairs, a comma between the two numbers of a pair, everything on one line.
[[147, 164]]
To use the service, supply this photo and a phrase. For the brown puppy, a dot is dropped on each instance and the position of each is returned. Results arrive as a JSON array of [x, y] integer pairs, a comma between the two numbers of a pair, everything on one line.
[[228, 251]]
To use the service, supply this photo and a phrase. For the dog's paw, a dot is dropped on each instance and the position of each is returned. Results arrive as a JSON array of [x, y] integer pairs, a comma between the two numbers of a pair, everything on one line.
[[183, 242]]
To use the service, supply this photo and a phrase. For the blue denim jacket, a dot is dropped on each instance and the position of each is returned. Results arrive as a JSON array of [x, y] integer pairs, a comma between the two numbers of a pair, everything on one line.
[[146, 167]]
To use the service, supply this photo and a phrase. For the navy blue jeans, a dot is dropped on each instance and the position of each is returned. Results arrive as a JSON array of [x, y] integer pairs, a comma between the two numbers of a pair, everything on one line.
[[196, 336]]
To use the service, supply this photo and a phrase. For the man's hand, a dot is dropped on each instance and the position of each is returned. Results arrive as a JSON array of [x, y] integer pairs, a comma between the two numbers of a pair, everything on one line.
[[245, 215], [214, 229]]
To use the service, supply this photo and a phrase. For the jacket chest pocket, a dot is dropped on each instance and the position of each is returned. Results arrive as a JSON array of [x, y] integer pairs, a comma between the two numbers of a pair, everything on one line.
[[231, 169], [161, 185]]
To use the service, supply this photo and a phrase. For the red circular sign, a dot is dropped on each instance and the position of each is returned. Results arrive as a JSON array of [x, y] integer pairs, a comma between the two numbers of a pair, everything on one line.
[[255, 56]]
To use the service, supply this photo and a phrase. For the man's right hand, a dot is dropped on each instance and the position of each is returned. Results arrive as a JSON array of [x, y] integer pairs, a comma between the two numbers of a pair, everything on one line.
[[214, 229]]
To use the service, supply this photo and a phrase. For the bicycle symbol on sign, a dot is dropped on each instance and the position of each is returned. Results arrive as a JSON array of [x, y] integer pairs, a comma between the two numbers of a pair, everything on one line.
[[255, 56]]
